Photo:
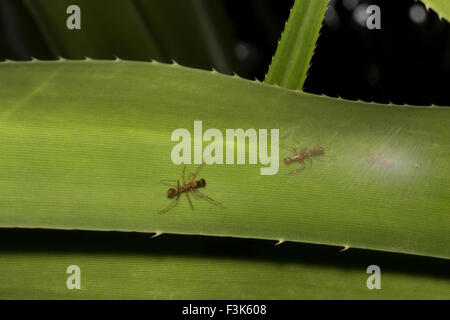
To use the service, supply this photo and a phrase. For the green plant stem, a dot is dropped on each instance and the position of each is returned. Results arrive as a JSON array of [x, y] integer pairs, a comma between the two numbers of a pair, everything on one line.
[[294, 52]]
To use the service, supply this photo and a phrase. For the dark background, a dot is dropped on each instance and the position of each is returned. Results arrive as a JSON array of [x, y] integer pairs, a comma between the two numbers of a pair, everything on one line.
[[404, 62]]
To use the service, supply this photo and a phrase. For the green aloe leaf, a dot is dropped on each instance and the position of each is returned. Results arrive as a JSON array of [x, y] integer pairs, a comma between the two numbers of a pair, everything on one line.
[[294, 52], [441, 7], [83, 145], [127, 266]]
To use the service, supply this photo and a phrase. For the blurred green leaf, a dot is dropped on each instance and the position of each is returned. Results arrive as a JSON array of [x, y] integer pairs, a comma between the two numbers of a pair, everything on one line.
[[33, 265], [19, 36], [192, 32], [195, 33], [108, 28]]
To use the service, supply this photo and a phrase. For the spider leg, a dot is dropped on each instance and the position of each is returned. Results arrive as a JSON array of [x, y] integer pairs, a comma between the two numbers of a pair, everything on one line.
[[303, 149], [171, 204], [284, 146], [189, 198], [184, 180], [193, 193], [178, 190], [187, 190], [302, 165], [208, 198], [196, 171], [310, 161], [327, 155], [168, 181]]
